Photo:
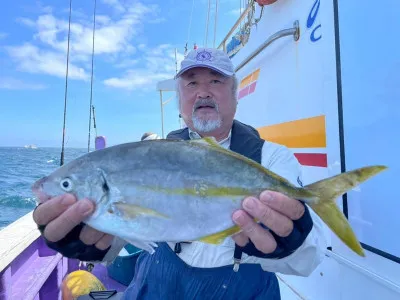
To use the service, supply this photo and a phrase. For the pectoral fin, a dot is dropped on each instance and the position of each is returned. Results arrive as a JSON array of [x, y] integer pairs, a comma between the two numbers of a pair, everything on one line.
[[133, 211], [219, 237], [144, 245]]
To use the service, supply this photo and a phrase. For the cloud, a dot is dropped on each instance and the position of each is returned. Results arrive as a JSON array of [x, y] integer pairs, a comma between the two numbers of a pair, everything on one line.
[[16, 84], [110, 36], [31, 59], [46, 53], [118, 7], [3, 35], [235, 12], [156, 64]]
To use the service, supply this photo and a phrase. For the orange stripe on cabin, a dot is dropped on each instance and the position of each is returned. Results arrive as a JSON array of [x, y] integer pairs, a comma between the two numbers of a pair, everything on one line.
[[303, 133]]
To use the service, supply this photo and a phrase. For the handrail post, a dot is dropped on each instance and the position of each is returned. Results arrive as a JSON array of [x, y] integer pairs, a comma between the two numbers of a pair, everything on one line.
[[294, 31]]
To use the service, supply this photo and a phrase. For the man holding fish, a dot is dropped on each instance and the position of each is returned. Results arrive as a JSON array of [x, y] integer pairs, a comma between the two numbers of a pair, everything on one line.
[[274, 233]]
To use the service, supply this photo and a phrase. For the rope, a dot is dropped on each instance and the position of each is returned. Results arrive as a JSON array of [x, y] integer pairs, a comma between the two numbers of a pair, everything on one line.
[[208, 20], [91, 81], [190, 23], [66, 85], [215, 23]]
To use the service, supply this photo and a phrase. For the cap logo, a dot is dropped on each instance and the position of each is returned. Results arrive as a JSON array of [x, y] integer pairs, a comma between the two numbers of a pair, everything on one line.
[[203, 56]]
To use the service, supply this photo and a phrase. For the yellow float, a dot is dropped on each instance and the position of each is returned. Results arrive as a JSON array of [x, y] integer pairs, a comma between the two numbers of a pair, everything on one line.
[[80, 283]]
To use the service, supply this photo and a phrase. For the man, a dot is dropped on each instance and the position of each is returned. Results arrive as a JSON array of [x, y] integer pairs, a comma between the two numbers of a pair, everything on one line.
[[288, 239]]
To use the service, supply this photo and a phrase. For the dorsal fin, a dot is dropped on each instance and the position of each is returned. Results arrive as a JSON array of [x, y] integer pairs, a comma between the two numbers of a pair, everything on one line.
[[212, 142]]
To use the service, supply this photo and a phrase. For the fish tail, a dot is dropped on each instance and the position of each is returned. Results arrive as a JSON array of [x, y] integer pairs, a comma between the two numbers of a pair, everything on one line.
[[328, 190]]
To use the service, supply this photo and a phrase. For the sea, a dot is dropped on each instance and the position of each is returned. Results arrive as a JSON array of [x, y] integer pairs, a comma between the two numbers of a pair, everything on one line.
[[19, 168]]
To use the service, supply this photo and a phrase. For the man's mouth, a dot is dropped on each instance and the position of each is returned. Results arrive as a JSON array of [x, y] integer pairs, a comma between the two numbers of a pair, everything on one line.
[[204, 104]]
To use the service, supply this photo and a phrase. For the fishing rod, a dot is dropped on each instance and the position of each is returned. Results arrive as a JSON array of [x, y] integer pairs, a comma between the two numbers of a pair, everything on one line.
[[66, 85], [94, 121], [91, 80]]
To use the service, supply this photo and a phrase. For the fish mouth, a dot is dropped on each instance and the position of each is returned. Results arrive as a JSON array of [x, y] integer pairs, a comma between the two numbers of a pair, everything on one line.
[[37, 189]]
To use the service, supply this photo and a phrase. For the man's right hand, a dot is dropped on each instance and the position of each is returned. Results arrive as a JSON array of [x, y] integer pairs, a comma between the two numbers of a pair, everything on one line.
[[60, 216]]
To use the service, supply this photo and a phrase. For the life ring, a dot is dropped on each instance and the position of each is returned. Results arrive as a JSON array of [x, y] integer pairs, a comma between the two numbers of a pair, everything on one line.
[[265, 2]]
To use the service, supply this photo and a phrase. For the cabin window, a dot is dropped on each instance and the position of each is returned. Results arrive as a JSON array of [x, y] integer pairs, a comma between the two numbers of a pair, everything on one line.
[[370, 69]]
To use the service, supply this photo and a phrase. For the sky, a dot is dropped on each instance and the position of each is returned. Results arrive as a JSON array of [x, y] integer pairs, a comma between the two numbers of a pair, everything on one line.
[[135, 42]]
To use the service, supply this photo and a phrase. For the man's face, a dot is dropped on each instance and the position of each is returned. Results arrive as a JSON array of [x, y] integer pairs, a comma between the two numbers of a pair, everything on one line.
[[207, 100]]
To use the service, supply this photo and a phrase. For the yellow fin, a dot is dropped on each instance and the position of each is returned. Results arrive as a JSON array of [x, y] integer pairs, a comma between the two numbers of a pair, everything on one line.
[[218, 238], [132, 211], [209, 140], [328, 190]]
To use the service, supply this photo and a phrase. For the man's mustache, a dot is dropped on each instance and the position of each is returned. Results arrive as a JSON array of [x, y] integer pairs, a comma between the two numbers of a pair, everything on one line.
[[205, 102]]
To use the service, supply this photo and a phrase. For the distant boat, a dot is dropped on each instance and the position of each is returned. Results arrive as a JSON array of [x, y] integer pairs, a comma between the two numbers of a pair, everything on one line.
[[30, 146]]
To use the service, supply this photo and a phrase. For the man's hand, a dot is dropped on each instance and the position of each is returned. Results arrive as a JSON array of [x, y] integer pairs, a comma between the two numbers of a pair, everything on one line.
[[62, 214], [276, 211]]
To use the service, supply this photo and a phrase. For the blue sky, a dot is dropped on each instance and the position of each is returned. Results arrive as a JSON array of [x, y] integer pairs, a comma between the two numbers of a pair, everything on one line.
[[135, 45]]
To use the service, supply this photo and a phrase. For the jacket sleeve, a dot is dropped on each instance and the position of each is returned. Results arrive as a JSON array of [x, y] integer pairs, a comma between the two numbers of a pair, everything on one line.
[[304, 260]]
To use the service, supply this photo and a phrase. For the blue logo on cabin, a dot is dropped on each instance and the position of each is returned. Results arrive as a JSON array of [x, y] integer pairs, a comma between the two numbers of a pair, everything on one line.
[[312, 16]]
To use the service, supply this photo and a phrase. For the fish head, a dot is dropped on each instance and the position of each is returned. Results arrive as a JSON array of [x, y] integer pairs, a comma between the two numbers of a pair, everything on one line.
[[77, 178]]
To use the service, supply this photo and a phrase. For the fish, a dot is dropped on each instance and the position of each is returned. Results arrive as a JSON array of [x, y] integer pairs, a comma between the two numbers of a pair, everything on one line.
[[171, 190]]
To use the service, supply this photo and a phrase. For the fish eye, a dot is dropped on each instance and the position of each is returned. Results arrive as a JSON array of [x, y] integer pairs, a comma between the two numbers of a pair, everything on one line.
[[66, 184]]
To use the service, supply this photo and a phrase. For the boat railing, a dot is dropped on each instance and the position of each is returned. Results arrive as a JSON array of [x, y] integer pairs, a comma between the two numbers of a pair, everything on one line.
[[294, 31], [242, 16]]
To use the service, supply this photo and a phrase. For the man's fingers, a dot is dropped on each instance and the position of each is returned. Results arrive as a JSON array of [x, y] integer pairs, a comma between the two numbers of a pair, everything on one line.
[[261, 238], [274, 220], [51, 209], [289, 207], [59, 227], [104, 242], [241, 239], [90, 236]]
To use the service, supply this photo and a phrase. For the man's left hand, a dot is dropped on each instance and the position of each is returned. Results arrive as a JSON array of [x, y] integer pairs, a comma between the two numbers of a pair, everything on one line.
[[275, 210]]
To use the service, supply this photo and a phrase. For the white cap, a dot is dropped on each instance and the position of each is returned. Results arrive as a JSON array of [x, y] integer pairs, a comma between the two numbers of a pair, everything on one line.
[[212, 58], [150, 136]]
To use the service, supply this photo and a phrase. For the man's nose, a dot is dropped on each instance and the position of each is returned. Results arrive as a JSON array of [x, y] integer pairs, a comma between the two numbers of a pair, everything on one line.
[[203, 93]]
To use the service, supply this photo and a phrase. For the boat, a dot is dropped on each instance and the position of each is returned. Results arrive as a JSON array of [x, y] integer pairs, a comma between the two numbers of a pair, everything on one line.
[[298, 87]]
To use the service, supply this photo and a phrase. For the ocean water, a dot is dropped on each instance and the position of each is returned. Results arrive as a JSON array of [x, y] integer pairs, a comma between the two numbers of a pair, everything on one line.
[[19, 168]]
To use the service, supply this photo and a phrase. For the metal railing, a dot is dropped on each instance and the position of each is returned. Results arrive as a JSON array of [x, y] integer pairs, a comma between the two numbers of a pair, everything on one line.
[[242, 16], [294, 31]]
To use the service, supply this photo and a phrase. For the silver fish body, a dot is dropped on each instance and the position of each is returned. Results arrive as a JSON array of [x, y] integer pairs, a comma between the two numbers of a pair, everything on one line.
[[167, 190]]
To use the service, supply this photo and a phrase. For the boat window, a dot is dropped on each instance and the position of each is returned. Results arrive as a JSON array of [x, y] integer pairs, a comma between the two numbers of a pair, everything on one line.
[[371, 122]]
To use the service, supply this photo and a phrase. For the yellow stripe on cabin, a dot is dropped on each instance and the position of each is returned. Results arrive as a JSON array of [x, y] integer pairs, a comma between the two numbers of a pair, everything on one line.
[[249, 79], [245, 81], [303, 133], [255, 75]]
